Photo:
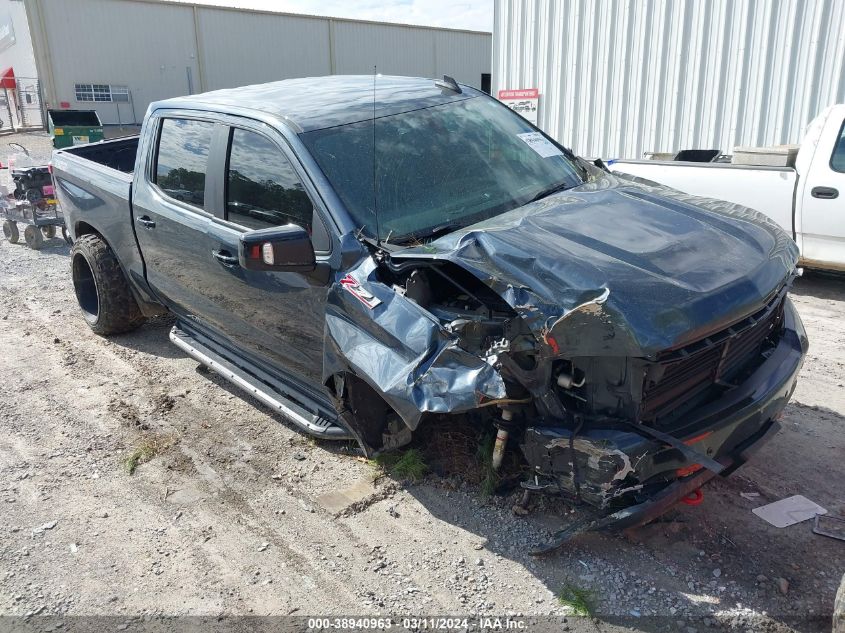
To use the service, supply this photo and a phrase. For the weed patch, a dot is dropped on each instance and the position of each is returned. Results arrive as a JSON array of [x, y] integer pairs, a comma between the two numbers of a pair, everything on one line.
[[408, 465], [149, 447], [484, 456], [581, 601]]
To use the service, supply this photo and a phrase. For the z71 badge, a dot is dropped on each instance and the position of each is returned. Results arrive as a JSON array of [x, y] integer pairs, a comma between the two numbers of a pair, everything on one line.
[[359, 292]]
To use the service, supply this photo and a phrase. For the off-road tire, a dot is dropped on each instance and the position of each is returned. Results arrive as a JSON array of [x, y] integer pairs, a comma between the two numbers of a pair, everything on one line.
[[839, 609], [33, 238], [49, 231], [101, 288], [10, 231]]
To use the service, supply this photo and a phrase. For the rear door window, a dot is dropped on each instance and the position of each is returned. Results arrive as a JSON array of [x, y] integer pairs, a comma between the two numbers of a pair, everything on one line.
[[182, 159], [262, 188]]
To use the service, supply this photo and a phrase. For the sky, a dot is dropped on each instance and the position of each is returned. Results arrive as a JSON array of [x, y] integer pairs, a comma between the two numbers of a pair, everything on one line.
[[476, 15]]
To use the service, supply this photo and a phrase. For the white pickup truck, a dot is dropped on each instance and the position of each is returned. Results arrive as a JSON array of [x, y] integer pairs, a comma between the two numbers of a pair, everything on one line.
[[805, 201]]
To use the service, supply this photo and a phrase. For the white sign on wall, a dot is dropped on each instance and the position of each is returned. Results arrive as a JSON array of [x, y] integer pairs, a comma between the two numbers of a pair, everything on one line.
[[524, 102]]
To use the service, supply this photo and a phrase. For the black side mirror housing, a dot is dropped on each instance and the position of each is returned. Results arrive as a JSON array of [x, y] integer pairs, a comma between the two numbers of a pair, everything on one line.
[[285, 248]]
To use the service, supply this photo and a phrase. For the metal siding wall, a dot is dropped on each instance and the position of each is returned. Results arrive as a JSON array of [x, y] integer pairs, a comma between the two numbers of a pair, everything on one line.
[[241, 48], [147, 46], [19, 55], [286, 46], [395, 50], [464, 56], [621, 78], [144, 46]]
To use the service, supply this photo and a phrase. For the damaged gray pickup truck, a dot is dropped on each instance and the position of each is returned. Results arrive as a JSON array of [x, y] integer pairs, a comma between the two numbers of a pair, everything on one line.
[[368, 255]]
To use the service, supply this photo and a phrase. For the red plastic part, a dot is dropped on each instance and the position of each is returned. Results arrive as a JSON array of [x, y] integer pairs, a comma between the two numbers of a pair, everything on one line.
[[694, 498]]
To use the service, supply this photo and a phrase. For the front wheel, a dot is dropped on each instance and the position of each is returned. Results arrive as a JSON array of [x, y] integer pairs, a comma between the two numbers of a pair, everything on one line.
[[10, 231], [49, 231], [101, 287]]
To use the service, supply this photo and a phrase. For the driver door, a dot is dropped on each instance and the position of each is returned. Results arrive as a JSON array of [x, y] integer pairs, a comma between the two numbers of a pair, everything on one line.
[[276, 317]]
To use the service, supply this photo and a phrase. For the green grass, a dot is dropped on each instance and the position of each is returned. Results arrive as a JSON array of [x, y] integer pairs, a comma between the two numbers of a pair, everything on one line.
[[408, 465], [579, 600], [484, 456], [149, 447]]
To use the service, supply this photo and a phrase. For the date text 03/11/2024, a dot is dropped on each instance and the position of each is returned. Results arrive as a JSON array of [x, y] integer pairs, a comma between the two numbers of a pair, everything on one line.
[[481, 623]]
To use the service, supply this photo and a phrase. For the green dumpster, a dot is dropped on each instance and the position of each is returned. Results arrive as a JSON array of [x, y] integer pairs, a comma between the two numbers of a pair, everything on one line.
[[74, 127]]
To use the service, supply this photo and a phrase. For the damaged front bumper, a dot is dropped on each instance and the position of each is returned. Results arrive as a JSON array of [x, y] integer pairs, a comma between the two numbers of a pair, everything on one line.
[[633, 478]]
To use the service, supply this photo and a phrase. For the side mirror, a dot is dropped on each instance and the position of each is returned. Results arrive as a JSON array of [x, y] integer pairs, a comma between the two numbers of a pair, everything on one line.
[[280, 248]]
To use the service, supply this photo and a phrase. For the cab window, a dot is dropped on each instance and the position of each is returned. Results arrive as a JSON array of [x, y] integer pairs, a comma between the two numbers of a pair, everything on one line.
[[262, 188], [182, 159]]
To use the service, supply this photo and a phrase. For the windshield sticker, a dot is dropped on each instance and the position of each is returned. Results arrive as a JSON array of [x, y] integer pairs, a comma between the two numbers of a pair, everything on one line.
[[540, 144], [359, 292]]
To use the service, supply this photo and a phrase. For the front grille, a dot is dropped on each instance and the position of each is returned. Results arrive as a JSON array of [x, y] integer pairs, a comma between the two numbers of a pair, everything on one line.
[[687, 375]]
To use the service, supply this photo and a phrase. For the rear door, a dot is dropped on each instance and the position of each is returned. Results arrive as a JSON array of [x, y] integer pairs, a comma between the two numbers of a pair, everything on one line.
[[173, 204], [821, 221], [277, 317]]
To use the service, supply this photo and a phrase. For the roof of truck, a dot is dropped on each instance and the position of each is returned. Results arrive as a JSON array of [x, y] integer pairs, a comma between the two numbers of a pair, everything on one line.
[[313, 103]]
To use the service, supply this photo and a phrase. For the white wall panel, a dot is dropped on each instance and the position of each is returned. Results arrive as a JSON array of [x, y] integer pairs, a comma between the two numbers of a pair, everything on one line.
[[149, 45], [462, 55], [395, 50], [619, 78], [18, 54], [242, 48]]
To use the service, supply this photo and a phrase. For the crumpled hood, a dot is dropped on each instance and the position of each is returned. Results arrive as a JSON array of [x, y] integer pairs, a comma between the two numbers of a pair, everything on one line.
[[618, 267]]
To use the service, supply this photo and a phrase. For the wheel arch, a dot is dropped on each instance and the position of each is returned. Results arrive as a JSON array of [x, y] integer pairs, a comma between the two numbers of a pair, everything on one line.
[[363, 410], [102, 289], [83, 228], [148, 304]]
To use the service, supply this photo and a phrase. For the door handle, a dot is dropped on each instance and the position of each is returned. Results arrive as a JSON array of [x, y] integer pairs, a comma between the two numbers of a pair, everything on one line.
[[825, 193], [146, 222], [225, 258]]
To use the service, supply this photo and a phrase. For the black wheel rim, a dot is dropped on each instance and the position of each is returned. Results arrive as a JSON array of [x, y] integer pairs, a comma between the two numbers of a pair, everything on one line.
[[85, 287]]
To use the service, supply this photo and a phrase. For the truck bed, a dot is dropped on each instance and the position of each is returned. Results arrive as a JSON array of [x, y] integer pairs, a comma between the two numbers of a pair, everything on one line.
[[769, 190], [118, 154], [95, 183]]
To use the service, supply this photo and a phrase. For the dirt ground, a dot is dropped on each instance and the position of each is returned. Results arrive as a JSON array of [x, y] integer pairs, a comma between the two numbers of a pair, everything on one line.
[[231, 511]]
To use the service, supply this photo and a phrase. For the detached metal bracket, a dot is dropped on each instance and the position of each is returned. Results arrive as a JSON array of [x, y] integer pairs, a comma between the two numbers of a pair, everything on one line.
[[587, 523], [688, 452]]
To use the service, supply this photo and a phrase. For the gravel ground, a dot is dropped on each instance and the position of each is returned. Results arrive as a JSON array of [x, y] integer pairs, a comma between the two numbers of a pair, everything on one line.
[[236, 513]]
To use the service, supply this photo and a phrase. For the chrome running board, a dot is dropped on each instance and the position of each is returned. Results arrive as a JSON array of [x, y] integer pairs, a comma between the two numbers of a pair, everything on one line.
[[311, 423]]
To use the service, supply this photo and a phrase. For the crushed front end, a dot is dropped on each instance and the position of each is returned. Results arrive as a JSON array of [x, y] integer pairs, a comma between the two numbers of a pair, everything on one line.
[[645, 428], [627, 377]]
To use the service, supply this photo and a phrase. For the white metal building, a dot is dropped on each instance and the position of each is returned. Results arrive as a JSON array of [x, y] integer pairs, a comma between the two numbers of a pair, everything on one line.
[[620, 78], [15, 44], [19, 96], [117, 56]]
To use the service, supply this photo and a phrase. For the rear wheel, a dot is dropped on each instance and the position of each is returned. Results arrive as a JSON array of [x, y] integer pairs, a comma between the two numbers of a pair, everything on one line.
[[10, 231], [101, 288], [33, 238], [49, 231]]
